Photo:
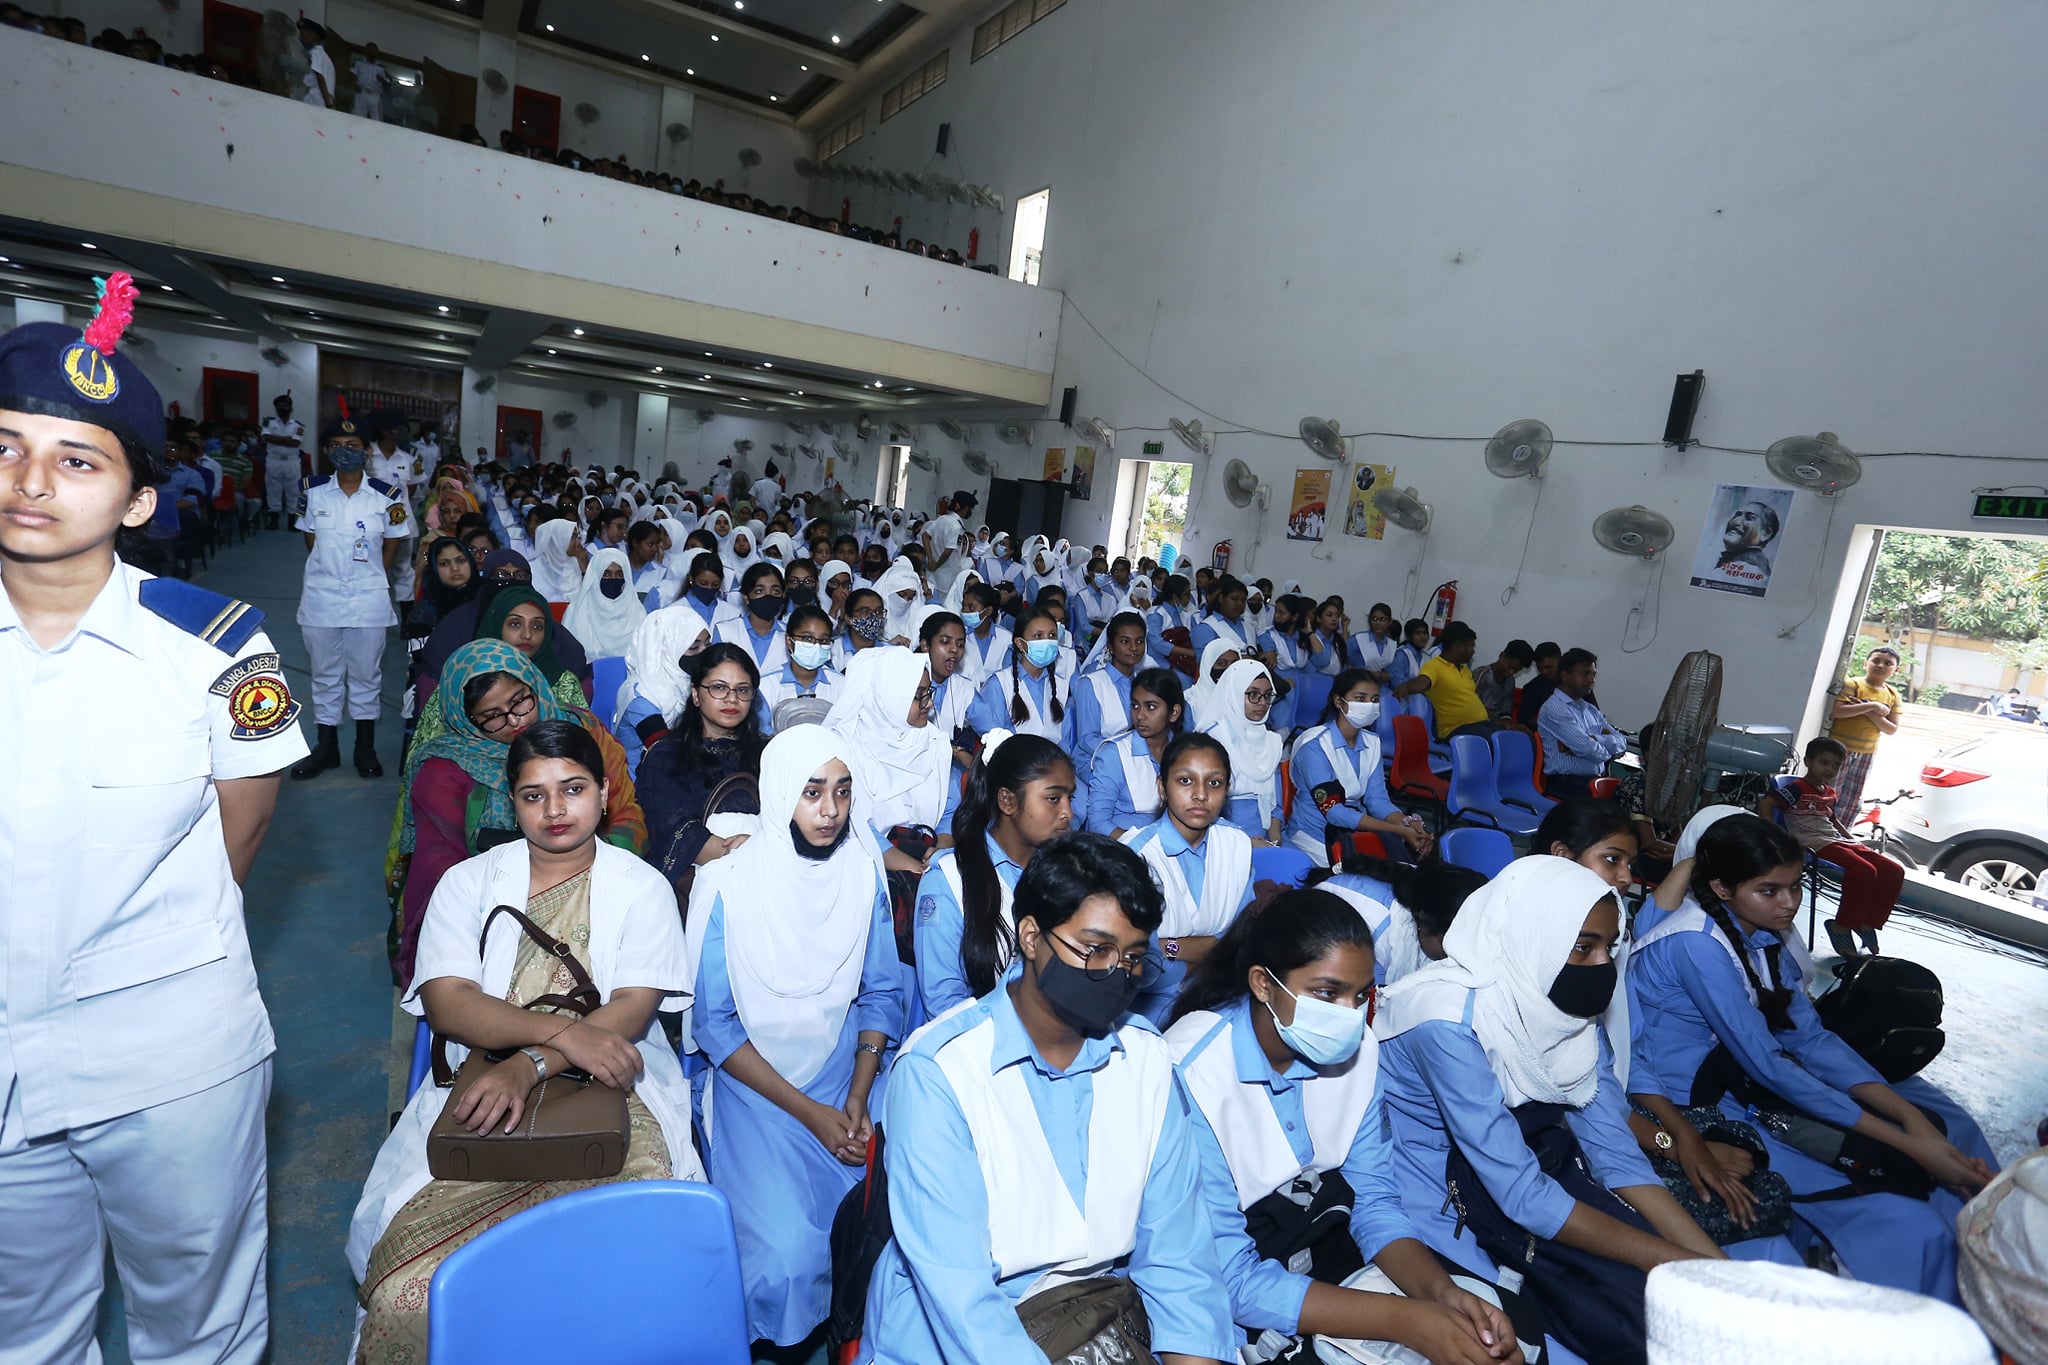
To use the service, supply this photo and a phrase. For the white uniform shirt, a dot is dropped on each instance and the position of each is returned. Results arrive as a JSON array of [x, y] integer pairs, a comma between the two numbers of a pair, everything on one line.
[[125, 965], [293, 428], [321, 65], [942, 534], [395, 469], [345, 583], [426, 453], [766, 493]]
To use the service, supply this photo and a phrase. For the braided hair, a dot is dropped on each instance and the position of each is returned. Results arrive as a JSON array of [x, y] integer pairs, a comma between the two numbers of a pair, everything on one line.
[[1019, 711], [1734, 850], [986, 943]]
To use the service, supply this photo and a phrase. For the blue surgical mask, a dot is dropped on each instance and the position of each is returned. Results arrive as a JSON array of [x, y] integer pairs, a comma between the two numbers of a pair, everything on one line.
[[1103, 582], [972, 619], [1323, 1033], [810, 654], [1042, 653]]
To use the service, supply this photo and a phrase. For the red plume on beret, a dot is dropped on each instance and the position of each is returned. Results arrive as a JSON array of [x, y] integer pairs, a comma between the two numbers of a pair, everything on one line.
[[341, 401], [115, 312]]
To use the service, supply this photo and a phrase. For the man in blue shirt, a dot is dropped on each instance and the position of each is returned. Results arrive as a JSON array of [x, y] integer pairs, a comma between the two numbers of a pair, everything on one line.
[[1578, 741]]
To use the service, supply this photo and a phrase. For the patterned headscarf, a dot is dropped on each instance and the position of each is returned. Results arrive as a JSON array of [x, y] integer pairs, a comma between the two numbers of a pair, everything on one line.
[[480, 755], [490, 626]]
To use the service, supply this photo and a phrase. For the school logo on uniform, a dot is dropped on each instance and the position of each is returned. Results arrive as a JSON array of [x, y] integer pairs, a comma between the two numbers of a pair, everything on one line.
[[91, 373], [927, 906], [398, 514], [259, 702]]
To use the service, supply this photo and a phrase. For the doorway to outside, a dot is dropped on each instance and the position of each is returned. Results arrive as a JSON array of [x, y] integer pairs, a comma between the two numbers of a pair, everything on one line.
[[892, 478], [1151, 506], [1027, 239]]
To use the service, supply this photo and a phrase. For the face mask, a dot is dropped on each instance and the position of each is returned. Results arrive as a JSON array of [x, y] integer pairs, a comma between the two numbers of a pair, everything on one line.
[[347, 459], [868, 627], [817, 853], [873, 570], [1584, 992], [810, 654], [1362, 713], [1255, 606], [803, 594], [972, 619], [612, 587], [1089, 1007], [704, 596], [1103, 582], [1042, 652], [1322, 1032]]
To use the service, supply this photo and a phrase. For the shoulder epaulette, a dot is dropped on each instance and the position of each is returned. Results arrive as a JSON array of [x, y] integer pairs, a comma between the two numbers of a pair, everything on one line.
[[221, 621], [386, 489], [312, 481]]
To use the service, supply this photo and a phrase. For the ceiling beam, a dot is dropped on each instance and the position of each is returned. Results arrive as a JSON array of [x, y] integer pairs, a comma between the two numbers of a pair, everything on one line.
[[917, 42], [506, 335], [196, 282]]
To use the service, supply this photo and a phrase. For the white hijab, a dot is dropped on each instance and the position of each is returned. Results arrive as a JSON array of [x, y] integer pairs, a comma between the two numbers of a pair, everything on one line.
[[1199, 695], [1255, 750], [894, 764], [901, 615], [737, 563], [779, 542], [603, 625], [796, 928], [1508, 943], [555, 574], [654, 667], [831, 569]]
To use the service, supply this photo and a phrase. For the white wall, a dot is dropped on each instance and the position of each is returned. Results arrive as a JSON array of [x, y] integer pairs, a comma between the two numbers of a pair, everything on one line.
[[630, 122], [712, 153], [1436, 219]]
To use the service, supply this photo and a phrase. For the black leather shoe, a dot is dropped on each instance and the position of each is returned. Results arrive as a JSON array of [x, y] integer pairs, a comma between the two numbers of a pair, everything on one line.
[[366, 749], [326, 754]]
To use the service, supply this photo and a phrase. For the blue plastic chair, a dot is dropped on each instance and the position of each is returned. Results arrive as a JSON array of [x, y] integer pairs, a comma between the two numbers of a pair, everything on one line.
[[607, 676], [1514, 759], [1485, 851], [1474, 797], [661, 1251], [422, 1055], [1288, 866], [1439, 752], [1311, 695]]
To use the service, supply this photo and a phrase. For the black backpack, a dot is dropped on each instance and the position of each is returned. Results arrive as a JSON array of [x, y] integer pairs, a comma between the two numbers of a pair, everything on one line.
[[1888, 1010], [860, 1229]]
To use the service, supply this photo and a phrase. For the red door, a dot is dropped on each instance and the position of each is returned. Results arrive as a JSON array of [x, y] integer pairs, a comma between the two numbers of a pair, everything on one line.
[[536, 117], [233, 36]]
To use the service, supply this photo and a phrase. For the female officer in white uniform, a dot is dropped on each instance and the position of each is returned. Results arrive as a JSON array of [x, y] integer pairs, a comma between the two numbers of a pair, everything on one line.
[[145, 722]]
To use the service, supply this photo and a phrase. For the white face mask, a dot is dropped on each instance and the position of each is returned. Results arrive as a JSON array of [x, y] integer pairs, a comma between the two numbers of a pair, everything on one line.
[[1362, 714]]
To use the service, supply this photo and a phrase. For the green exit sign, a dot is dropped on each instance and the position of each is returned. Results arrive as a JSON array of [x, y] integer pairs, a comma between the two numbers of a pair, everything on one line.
[[2010, 507], [1155, 447]]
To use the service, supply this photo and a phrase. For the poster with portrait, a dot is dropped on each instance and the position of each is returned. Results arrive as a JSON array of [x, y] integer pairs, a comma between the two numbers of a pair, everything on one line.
[[1361, 518], [1742, 538], [1055, 464], [1308, 509], [1081, 481], [831, 470]]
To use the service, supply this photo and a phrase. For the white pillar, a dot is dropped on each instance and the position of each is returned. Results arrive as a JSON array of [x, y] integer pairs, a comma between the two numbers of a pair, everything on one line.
[[479, 418], [495, 52], [677, 106], [650, 435]]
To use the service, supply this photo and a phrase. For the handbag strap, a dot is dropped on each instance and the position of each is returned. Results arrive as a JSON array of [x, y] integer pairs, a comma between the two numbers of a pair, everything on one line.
[[583, 1000]]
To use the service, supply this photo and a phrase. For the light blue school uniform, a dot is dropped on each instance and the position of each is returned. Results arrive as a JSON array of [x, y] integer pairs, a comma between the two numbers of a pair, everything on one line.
[[881, 827], [626, 730], [1158, 621], [991, 709], [1210, 628], [941, 924], [784, 1187], [1686, 995], [1092, 722], [1164, 976], [1242, 810], [1264, 1294], [649, 581], [1111, 804], [1311, 767], [1380, 920], [937, 1296], [986, 657], [1294, 663], [769, 648], [1375, 653]]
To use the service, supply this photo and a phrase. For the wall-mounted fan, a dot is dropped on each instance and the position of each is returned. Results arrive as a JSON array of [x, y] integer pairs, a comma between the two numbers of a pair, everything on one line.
[[800, 428], [1240, 485], [805, 167], [1404, 507], [1634, 531], [1519, 450], [1014, 433], [495, 82], [977, 462], [810, 452], [704, 416], [902, 432], [1820, 464], [678, 132], [864, 427], [786, 452], [596, 398], [1192, 436], [1095, 431], [587, 113], [484, 383], [958, 431], [742, 446], [564, 419], [1323, 436], [827, 428], [847, 451], [749, 157], [925, 460], [275, 355]]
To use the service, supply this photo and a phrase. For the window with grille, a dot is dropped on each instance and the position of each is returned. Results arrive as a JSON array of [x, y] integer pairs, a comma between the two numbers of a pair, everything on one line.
[[842, 137], [915, 86], [1010, 21]]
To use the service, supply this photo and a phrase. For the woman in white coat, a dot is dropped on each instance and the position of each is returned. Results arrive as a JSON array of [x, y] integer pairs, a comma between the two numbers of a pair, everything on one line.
[[620, 915]]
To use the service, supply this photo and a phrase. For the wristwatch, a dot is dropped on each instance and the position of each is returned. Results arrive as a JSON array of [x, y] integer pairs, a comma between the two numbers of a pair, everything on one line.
[[1170, 947], [1662, 1142], [539, 1060], [868, 1047]]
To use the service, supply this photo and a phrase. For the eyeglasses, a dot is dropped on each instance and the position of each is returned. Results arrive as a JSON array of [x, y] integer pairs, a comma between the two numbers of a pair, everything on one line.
[[923, 696], [493, 721], [1132, 962], [506, 577], [736, 691], [812, 639], [1260, 697]]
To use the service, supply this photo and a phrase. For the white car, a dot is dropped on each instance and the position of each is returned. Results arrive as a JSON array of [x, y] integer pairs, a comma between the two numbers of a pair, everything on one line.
[[1982, 816]]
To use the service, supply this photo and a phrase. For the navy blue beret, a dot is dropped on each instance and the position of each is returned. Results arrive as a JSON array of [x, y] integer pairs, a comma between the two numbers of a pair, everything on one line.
[[53, 370]]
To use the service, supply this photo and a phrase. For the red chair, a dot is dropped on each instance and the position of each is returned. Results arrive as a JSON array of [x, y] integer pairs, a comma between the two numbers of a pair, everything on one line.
[[1411, 776], [1287, 791], [1345, 842], [555, 609], [1601, 789]]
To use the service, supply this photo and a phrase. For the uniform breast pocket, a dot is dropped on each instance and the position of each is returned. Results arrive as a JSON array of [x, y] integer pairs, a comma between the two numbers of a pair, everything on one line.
[[152, 994], [146, 792]]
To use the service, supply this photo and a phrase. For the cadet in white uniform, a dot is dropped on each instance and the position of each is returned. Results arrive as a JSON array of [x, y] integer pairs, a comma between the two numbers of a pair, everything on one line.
[[400, 469], [144, 721], [283, 438], [355, 526]]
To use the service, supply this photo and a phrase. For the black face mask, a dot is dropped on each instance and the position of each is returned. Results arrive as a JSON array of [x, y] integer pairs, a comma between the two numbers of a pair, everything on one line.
[[1089, 1007], [803, 594], [612, 587], [1584, 992], [766, 608], [817, 853]]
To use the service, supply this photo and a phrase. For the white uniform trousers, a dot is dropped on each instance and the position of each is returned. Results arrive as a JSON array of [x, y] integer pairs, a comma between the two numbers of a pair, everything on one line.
[[403, 573], [281, 483], [346, 659], [181, 1189]]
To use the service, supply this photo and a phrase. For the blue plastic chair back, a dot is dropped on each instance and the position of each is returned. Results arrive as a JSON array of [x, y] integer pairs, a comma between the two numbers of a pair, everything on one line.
[[1514, 757], [607, 676], [422, 1053], [1485, 851], [1474, 796], [661, 1253], [1311, 695], [1288, 866], [1421, 708]]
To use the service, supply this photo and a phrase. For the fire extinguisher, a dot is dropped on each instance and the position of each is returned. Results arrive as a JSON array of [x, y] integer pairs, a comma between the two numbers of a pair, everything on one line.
[[973, 243], [1442, 607], [1219, 557]]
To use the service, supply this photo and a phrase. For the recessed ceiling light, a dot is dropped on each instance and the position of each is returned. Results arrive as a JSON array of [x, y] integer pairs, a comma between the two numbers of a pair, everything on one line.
[[550, 28], [689, 71], [444, 307], [739, 4], [657, 369], [707, 355], [311, 314], [5, 261], [707, 376], [645, 58], [277, 279], [802, 67], [878, 383], [88, 246], [835, 40], [714, 37], [796, 393], [773, 98], [166, 288], [551, 350], [579, 331]]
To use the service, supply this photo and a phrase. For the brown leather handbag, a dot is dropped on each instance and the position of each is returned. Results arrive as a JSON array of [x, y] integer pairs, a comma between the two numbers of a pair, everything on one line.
[[573, 1126]]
